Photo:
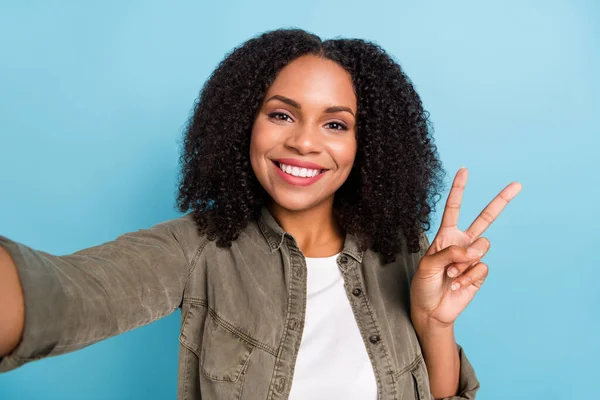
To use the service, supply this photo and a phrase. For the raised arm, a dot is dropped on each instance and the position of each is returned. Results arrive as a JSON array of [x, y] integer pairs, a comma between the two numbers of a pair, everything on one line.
[[58, 304]]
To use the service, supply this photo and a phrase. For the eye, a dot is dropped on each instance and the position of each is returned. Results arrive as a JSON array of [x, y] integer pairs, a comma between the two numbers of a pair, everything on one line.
[[337, 126], [279, 116]]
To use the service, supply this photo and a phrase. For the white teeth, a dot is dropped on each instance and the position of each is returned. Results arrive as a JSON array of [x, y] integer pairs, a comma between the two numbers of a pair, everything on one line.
[[296, 171]]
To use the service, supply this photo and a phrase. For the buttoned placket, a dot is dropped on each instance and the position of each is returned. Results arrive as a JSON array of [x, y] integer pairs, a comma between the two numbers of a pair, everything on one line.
[[294, 325], [283, 373], [368, 327]]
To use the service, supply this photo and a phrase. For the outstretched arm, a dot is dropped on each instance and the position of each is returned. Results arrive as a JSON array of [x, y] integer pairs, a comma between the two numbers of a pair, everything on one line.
[[51, 305]]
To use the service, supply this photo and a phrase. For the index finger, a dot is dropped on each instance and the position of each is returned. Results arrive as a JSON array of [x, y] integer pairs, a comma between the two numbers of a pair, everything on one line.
[[493, 210], [452, 209]]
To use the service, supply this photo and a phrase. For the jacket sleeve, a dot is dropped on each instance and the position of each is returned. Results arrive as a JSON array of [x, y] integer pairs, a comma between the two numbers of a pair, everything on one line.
[[76, 300], [468, 384]]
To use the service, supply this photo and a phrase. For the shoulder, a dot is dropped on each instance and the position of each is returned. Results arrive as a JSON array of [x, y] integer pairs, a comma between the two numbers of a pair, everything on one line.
[[181, 230]]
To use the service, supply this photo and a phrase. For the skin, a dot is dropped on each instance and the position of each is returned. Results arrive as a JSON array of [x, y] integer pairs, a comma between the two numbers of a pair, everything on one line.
[[12, 312], [448, 275], [447, 279], [307, 131]]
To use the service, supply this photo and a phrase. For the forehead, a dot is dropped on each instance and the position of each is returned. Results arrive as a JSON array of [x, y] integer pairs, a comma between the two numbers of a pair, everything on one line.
[[315, 80]]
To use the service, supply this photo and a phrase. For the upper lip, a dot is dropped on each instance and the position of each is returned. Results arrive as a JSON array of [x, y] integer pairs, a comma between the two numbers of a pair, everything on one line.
[[298, 163]]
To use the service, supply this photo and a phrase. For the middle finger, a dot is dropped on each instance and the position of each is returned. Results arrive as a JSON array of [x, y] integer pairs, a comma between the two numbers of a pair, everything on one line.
[[493, 210]]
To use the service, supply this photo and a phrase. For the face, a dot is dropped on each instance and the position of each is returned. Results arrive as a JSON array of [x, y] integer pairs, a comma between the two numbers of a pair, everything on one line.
[[303, 141]]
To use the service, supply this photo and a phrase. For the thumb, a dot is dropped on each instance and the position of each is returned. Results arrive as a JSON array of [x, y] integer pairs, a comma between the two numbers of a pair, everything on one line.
[[452, 254]]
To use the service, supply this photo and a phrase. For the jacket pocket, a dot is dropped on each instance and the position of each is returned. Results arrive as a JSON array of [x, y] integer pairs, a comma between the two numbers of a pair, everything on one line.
[[412, 381], [214, 359], [420, 380], [224, 356]]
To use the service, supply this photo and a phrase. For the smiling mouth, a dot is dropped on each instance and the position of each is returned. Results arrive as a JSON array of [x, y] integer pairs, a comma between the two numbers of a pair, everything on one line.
[[299, 172]]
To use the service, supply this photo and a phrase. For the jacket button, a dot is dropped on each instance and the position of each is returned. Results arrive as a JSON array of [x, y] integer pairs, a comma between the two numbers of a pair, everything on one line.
[[374, 339], [356, 292], [344, 260], [293, 324]]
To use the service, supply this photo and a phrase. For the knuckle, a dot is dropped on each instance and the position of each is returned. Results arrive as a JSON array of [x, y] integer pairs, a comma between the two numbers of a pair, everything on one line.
[[471, 235], [487, 217]]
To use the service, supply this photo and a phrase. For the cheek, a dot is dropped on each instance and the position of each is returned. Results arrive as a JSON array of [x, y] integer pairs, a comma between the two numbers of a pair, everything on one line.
[[255, 154], [260, 144], [344, 153]]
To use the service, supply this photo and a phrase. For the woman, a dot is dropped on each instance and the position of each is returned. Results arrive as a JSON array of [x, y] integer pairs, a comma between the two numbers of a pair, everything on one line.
[[301, 268]]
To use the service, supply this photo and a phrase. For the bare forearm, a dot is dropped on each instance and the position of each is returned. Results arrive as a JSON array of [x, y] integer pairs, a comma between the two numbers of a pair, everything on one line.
[[442, 359], [12, 309]]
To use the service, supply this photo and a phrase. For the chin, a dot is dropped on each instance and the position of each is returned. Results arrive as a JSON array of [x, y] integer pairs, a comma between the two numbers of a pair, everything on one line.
[[294, 202]]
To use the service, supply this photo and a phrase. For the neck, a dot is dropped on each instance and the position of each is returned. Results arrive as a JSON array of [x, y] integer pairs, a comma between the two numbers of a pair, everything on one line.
[[315, 230]]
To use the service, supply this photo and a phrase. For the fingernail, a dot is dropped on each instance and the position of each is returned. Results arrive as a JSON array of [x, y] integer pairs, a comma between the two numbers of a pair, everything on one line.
[[455, 286], [452, 272], [474, 252]]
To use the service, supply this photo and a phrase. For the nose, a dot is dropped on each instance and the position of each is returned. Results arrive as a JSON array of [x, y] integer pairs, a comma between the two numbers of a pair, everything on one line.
[[305, 139]]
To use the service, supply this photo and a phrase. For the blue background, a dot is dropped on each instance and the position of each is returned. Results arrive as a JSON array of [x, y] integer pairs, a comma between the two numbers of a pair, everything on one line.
[[94, 98]]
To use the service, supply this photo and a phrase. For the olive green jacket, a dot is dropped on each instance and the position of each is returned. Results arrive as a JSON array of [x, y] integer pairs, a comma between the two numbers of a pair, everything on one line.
[[242, 307]]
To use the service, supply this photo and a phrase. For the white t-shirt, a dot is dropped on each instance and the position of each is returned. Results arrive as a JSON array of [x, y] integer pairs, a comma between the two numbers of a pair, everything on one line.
[[332, 361]]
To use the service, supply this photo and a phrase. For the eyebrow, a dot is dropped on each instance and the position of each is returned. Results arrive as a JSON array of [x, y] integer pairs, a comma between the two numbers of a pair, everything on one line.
[[295, 104]]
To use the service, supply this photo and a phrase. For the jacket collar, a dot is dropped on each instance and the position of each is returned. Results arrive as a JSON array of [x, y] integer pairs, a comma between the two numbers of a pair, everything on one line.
[[271, 230], [275, 235]]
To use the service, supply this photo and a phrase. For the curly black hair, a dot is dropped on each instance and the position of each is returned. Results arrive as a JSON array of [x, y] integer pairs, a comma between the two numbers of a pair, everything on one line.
[[396, 178]]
